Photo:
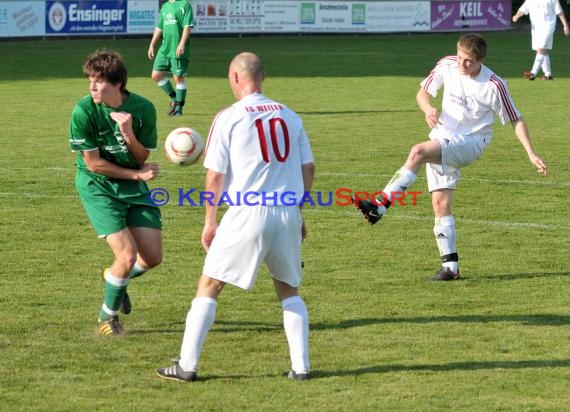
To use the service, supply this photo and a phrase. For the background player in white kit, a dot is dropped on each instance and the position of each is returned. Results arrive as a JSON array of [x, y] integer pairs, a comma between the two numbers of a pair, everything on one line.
[[542, 14], [260, 146], [473, 94]]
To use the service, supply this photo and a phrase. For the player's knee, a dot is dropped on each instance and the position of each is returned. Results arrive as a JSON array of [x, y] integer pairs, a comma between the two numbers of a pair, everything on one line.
[[417, 153], [127, 260], [154, 260]]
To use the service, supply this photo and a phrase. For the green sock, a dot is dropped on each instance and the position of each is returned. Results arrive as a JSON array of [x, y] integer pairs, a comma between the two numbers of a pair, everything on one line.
[[137, 271], [168, 89], [115, 289], [181, 96]]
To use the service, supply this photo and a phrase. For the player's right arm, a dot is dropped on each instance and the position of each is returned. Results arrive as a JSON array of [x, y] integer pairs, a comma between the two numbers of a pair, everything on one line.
[[523, 10], [96, 164], [215, 186], [153, 42], [424, 102]]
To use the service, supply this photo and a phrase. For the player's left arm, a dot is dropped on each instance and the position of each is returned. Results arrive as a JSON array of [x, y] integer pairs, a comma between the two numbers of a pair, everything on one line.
[[183, 41], [308, 170], [564, 21], [521, 130]]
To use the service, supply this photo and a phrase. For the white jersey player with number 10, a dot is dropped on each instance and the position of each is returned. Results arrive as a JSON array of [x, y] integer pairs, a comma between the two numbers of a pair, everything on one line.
[[268, 146], [258, 158]]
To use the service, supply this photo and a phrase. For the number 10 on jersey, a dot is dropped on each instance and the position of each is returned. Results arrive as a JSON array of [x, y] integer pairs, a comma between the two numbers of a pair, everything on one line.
[[275, 125]]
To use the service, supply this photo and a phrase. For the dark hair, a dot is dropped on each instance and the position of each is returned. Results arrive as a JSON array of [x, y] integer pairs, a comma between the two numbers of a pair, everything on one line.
[[106, 65], [473, 44]]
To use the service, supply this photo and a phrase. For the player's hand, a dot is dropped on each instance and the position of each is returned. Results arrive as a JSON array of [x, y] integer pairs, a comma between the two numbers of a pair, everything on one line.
[[125, 122], [208, 234], [432, 118], [304, 231], [150, 53], [180, 51], [148, 171], [539, 163]]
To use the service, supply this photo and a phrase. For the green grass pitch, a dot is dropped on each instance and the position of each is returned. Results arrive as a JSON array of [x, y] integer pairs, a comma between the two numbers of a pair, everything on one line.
[[382, 336]]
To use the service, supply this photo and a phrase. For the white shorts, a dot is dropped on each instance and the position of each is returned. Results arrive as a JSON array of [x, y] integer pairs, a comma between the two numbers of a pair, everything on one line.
[[456, 152], [250, 235], [542, 38]]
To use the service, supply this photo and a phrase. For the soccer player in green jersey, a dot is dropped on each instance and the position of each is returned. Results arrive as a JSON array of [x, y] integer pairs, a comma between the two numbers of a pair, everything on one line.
[[113, 131], [174, 25]]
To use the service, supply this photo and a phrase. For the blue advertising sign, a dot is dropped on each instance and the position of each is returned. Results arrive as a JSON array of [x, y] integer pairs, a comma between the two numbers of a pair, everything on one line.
[[86, 17]]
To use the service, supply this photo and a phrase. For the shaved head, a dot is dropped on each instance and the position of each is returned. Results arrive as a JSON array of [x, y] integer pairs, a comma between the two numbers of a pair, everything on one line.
[[246, 74], [250, 65]]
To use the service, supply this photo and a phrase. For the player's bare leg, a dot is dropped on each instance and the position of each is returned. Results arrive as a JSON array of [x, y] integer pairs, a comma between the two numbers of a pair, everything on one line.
[[420, 154]]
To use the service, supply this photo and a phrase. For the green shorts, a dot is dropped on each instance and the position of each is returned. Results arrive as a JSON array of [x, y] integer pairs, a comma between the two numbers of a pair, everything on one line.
[[113, 205], [178, 67]]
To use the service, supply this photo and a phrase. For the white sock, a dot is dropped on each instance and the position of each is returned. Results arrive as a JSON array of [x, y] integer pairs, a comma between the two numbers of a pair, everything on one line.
[[401, 180], [446, 238], [199, 320], [537, 63], [546, 66], [296, 324]]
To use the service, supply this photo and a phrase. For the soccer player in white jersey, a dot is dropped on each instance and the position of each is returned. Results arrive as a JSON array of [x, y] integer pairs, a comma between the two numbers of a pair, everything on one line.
[[472, 96], [542, 14], [258, 158]]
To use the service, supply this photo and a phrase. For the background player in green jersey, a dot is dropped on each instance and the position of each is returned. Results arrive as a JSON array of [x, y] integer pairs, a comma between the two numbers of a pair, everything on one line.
[[174, 25], [113, 131]]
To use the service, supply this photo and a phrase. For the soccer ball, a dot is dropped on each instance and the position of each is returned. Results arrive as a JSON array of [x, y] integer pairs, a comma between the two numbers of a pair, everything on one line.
[[183, 146]]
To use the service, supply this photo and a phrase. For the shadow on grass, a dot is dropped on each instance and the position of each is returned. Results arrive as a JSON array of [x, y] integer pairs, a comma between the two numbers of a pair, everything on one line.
[[444, 367], [453, 366], [230, 326], [537, 320], [351, 112], [513, 276]]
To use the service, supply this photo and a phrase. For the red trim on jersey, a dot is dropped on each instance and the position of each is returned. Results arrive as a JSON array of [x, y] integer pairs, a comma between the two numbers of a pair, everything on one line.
[[504, 95], [212, 128], [444, 60]]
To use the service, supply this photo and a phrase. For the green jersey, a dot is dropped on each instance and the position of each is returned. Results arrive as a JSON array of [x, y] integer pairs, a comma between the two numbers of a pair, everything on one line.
[[93, 128], [113, 204], [174, 17]]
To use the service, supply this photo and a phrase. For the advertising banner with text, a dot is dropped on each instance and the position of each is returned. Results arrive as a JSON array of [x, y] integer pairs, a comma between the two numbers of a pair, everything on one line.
[[32, 18], [470, 15]]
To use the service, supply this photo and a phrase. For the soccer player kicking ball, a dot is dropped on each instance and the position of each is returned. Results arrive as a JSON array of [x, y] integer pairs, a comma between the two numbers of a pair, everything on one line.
[[260, 147], [472, 95]]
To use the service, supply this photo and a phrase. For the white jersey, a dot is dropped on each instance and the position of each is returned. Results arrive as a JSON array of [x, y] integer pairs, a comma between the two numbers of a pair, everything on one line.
[[260, 146], [469, 105], [542, 13]]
